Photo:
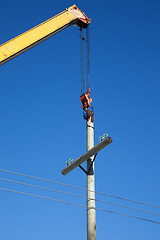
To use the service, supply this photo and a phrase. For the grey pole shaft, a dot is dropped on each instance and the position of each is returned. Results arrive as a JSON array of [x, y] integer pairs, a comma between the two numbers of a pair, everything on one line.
[[91, 213]]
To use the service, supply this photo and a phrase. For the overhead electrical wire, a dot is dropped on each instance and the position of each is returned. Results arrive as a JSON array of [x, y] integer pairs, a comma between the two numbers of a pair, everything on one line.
[[98, 209], [75, 195], [83, 189]]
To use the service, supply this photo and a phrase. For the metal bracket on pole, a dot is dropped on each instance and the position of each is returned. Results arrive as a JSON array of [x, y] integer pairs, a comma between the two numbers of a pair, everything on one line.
[[87, 172], [83, 169]]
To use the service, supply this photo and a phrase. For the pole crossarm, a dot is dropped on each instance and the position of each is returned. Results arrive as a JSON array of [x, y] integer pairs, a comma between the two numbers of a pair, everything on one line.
[[87, 155]]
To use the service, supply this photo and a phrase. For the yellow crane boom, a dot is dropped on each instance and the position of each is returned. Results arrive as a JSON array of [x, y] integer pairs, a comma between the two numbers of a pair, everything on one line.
[[32, 37]]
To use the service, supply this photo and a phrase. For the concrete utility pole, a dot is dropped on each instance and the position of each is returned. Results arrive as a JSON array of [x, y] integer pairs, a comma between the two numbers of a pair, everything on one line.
[[89, 156], [91, 212]]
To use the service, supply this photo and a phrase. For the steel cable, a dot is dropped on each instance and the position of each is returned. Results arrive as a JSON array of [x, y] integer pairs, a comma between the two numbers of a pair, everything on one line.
[[83, 189], [76, 195], [98, 209], [82, 61], [88, 56]]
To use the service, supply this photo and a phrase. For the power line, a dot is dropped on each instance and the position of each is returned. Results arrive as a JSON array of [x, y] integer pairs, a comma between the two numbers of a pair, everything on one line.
[[75, 195], [67, 185], [98, 209], [44, 188]]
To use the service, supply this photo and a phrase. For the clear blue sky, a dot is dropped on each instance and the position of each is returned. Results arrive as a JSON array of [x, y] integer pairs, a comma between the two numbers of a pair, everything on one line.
[[41, 123]]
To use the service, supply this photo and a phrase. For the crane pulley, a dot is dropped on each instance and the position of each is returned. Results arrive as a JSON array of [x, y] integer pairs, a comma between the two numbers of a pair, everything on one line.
[[86, 104]]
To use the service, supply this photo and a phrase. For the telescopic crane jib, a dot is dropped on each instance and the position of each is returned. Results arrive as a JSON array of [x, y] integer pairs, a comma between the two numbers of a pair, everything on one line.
[[71, 16]]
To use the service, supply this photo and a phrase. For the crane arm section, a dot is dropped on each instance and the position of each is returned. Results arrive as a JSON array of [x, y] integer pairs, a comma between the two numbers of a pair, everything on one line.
[[32, 37]]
